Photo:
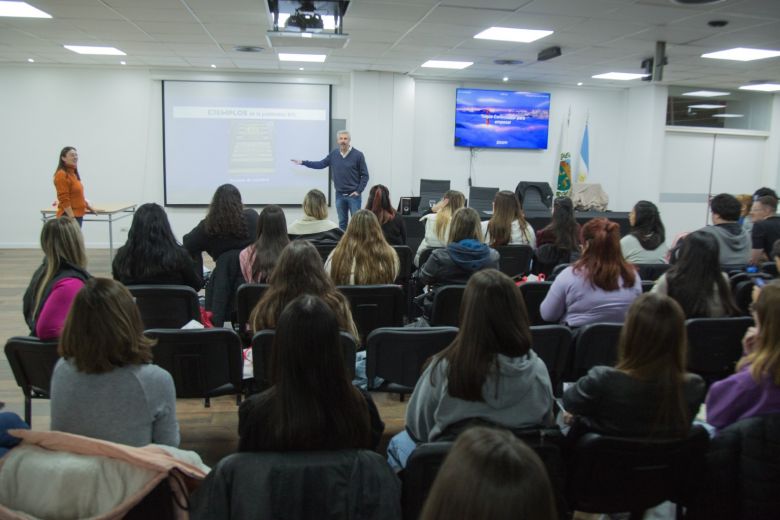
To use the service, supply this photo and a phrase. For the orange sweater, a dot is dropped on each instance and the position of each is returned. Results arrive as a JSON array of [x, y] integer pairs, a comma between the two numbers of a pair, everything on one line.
[[70, 193]]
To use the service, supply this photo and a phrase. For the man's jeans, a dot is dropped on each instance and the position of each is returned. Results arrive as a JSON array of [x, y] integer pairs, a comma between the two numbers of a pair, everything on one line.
[[346, 205]]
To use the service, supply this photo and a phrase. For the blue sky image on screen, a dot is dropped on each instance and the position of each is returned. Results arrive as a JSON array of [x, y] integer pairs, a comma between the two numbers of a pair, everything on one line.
[[501, 119]]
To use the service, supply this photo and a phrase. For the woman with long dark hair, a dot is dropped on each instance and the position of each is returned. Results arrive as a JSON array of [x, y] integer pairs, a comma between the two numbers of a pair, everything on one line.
[[559, 242], [312, 404], [70, 191], [55, 283], [490, 473], [508, 226], [105, 386], [392, 223], [648, 392], [227, 226], [696, 281], [363, 256], [259, 259], [755, 387], [599, 287], [151, 254], [646, 244], [298, 271], [488, 372]]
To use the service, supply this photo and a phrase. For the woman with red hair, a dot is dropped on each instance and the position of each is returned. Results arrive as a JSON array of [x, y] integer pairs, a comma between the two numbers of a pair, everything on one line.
[[392, 223], [599, 287]]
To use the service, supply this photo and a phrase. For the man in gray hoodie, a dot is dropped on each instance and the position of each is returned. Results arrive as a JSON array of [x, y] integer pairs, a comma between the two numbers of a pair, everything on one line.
[[734, 242]]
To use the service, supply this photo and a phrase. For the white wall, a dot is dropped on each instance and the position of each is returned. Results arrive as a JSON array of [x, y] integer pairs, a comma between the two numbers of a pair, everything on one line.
[[404, 126]]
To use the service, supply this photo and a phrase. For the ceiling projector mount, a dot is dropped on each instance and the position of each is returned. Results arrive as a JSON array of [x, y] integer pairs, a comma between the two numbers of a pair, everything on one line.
[[307, 23]]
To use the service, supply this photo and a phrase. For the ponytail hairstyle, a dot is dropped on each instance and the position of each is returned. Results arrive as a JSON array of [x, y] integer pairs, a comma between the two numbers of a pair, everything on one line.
[[379, 203], [602, 261]]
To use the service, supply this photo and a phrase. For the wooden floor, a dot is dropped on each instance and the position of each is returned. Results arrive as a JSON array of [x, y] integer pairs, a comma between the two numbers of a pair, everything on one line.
[[212, 432]]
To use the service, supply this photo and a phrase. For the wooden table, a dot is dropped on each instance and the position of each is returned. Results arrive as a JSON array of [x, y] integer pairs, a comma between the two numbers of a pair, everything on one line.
[[109, 214]]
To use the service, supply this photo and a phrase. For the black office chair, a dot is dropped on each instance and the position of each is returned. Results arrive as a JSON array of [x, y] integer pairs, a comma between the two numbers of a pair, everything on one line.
[[557, 270], [405, 256], [166, 306], [515, 260], [398, 355], [375, 306], [262, 348], [446, 305], [425, 254], [418, 476], [325, 249], [647, 286], [651, 272], [534, 294], [247, 297], [596, 344], [618, 474], [204, 363], [32, 364], [552, 343], [715, 345], [769, 268]]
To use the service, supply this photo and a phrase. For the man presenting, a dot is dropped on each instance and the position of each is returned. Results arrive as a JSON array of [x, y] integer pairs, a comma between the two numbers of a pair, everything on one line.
[[350, 176]]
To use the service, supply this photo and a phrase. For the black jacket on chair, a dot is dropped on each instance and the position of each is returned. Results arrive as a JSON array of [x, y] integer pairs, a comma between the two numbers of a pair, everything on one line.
[[221, 288]]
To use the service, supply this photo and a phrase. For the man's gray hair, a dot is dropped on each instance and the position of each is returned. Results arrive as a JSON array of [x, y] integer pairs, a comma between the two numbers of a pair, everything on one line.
[[342, 132]]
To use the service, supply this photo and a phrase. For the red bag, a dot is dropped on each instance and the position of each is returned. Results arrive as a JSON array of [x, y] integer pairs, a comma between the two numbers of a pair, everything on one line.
[[205, 318]]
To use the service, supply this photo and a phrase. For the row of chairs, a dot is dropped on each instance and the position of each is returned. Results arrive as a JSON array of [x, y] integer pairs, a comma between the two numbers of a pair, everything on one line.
[[208, 363]]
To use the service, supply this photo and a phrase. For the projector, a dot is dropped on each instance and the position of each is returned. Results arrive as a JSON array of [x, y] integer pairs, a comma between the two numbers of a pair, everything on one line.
[[548, 53]]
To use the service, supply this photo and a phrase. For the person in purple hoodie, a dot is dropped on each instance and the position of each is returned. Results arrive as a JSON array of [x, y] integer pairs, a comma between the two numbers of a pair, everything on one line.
[[464, 255], [755, 387]]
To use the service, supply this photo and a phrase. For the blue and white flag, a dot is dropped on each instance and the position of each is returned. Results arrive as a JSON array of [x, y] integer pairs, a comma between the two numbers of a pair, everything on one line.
[[584, 169]]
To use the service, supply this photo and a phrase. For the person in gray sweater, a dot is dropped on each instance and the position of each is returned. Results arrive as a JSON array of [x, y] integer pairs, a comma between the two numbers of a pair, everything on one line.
[[733, 241], [489, 371], [104, 386]]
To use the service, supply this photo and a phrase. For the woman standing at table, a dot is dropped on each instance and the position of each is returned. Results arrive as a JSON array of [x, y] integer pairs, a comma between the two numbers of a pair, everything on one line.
[[70, 191]]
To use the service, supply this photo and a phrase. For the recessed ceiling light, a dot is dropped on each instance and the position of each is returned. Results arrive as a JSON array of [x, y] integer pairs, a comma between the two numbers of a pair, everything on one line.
[[505, 79], [705, 93], [441, 64], [21, 10], [30, 60], [620, 76], [728, 115], [314, 58], [213, 66], [123, 62], [328, 22], [300, 68], [306, 35], [742, 54], [509, 34], [762, 87], [579, 83], [88, 49], [705, 106]]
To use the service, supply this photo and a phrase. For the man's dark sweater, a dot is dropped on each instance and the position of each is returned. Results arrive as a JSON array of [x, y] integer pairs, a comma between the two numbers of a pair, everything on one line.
[[350, 173]]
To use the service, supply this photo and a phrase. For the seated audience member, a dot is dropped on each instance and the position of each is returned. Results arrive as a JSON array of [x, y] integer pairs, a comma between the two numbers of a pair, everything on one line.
[[151, 254], [559, 242], [646, 242], [766, 228], [599, 287], [437, 223], [747, 221], [392, 222], [648, 392], [56, 282], [755, 387], [464, 255], [490, 473], [776, 254], [312, 404], [315, 226], [508, 226], [227, 226], [696, 282], [488, 372], [733, 241], [299, 271], [258, 260], [105, 385], [363, 256]]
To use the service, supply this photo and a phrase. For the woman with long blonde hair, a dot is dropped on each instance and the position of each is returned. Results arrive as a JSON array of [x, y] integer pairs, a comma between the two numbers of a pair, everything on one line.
[[56, 282], [437, 224], [755, 387], [363, 256], [508, 226]]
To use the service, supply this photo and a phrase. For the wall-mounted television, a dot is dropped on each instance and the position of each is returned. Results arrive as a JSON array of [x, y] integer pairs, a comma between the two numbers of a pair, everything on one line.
[[501, 119]]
